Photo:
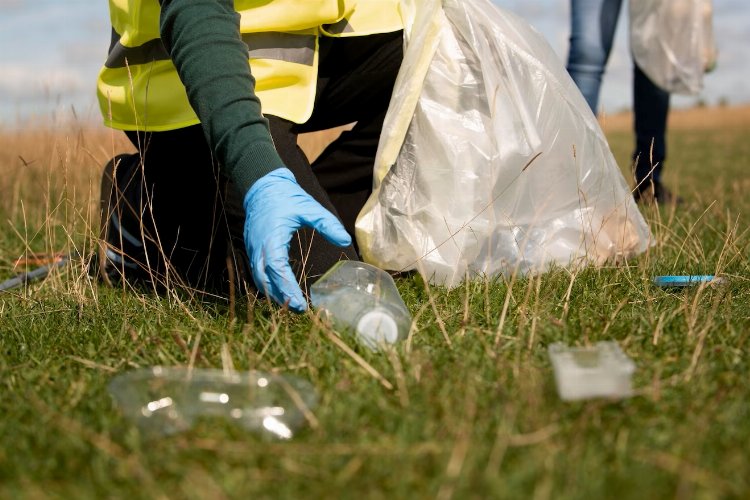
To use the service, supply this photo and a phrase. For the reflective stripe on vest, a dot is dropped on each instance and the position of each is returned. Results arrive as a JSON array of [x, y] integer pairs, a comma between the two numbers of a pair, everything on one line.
[[139, 88], [276, 46]]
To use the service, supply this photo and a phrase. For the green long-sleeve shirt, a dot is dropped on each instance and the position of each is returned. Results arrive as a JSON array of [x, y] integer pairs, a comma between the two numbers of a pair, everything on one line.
[[204, 42]]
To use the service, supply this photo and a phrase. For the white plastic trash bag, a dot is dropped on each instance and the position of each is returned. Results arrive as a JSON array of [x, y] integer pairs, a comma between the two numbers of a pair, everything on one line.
[[673, 42], [490, 160]]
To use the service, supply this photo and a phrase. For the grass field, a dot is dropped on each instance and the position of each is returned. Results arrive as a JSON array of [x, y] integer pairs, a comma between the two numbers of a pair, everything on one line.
[[466, 408]]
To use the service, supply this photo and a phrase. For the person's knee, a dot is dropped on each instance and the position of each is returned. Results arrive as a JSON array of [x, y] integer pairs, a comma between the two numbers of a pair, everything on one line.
[[588, 54]]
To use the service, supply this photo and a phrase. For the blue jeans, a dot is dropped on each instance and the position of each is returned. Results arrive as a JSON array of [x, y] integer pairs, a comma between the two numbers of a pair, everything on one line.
[[593, 24]]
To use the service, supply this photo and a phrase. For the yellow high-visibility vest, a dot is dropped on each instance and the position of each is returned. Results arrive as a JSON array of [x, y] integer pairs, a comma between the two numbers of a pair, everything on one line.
[[139, 88]]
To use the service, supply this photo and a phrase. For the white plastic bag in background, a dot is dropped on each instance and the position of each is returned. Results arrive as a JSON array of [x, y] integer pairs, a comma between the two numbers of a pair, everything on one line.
[[490, 160], [673, 42]]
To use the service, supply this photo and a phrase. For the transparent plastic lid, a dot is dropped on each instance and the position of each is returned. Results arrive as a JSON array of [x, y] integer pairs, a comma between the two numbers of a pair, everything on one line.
[[164, 401]]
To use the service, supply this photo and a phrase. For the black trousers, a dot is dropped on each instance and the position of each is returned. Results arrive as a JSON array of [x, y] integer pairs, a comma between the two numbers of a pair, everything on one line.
[[651, 109], [169, 214]]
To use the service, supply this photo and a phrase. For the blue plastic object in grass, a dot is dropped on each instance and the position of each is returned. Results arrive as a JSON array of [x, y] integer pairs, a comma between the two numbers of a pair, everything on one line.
[[690, 280]]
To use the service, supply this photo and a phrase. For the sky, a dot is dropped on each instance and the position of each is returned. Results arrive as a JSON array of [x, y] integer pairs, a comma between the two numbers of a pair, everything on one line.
[[51, 52]]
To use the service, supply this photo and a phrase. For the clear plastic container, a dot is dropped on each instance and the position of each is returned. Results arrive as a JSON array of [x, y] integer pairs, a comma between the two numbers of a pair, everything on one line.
[[164, 401], [364, 300], [601, 370]]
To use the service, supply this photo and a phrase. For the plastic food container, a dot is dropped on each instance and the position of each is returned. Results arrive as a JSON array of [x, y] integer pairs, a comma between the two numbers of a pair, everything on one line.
[[599, 371]]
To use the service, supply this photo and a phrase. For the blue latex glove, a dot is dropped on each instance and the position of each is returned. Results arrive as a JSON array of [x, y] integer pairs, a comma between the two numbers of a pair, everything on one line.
[[275, 208]]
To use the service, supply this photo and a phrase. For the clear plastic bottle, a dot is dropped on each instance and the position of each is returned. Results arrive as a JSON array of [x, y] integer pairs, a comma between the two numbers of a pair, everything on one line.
[[164, 401], [364, 299]]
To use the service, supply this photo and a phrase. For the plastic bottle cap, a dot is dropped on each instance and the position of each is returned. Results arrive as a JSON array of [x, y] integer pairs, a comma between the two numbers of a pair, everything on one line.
[[376, 327]]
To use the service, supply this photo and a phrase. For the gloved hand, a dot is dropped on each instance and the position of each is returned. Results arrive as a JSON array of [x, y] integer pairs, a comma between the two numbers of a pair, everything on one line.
[[275, 208]]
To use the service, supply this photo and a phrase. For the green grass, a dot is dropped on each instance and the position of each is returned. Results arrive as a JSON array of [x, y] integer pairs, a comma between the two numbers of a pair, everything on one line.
[[466, 408]]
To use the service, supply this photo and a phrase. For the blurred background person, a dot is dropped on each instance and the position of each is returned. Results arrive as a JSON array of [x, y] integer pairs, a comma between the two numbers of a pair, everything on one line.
[[593, 24]]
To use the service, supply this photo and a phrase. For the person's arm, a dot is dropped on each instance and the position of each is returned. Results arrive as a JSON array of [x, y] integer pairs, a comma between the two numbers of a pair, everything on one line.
[[203, 40]]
